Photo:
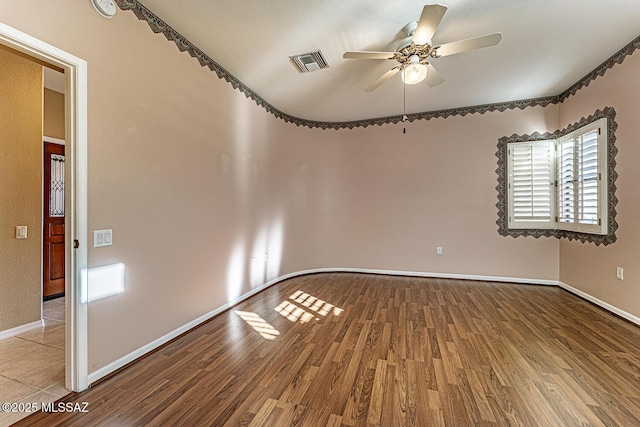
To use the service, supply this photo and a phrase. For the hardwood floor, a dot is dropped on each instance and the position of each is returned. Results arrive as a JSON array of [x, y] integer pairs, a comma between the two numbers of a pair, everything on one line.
[[353, 349]]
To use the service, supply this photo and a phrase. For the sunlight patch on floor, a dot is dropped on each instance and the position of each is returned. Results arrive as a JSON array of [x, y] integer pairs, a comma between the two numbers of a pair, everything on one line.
[[295, 313], [315, 304], [258, 324]]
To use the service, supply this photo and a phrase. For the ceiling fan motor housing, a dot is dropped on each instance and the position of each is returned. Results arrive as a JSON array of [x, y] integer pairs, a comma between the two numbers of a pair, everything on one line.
[[422, 52]]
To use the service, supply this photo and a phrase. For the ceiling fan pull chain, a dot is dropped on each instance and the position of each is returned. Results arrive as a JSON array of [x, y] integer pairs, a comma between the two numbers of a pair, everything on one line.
[[404, 105]]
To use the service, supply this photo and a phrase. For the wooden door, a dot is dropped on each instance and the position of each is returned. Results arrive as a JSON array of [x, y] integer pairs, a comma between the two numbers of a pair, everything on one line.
[[53, 227]]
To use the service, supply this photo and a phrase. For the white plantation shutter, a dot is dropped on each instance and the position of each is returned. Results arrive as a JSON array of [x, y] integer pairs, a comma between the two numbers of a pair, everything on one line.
[[565, 152], [588, 171], [591, 178], [531, 179], [581, 159]]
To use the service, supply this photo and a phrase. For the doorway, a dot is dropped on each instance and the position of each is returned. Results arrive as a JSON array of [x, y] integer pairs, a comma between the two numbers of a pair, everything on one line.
[[75, 195]]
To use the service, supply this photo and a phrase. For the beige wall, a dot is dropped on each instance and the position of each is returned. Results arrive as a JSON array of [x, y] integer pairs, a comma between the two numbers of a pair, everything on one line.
[[53, 114], [378, 198], [198, 183], [20, 189], [584, 266], [176, 168]]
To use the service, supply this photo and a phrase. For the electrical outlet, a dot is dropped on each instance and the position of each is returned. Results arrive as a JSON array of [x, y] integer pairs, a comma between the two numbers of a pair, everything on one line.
[[439, 250], [620, 273]]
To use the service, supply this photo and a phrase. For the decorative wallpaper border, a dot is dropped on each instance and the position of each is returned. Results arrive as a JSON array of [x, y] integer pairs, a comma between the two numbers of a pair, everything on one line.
[[610, 114], [157, 25], [601, 69]]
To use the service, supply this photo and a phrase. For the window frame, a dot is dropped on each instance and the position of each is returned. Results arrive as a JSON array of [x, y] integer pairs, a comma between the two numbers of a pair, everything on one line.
[[604, 233]]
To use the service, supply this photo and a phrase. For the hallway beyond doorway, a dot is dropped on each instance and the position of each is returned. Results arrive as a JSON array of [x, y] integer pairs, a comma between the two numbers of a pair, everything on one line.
[[32, 363]]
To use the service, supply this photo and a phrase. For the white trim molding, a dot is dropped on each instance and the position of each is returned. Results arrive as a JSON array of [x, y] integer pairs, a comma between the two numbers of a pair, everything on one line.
[[8, 333], [481, 278], [131, 357], [615, 310], [53, 140]]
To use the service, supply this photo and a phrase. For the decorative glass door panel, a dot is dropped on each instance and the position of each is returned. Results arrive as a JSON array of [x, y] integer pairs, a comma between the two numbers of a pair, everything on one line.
[[53, 226]]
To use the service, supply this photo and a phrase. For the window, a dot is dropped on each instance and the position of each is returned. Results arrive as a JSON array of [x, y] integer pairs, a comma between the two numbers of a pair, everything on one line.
[[560, 184]]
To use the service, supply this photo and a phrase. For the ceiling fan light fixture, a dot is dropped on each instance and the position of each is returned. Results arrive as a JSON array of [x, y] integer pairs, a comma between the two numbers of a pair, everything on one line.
[[414, 73]]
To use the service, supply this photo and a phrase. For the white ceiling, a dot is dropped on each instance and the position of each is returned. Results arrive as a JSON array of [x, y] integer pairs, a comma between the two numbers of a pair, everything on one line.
[[547, 46]]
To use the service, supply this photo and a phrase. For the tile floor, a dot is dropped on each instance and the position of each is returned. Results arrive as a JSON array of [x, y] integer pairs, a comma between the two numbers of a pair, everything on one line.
[[32, 364]]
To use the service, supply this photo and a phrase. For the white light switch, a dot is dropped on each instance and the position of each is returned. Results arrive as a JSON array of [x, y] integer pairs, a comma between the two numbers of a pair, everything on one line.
[[102, 238], [21, 232]]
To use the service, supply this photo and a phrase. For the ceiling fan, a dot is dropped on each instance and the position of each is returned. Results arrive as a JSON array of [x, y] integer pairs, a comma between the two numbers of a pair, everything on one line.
[[416, 49]]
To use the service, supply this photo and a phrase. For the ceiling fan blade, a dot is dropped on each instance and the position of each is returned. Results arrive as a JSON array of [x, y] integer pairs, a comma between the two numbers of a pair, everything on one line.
[[429, 20], [368, 55], [469, 44], [386, 76], [433, 76]]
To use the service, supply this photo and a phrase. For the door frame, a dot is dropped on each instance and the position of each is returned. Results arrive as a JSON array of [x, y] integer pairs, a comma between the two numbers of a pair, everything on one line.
[[75, 70]]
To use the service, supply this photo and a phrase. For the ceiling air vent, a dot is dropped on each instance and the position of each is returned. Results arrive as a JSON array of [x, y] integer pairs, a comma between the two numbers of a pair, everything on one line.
[[310, 61]]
